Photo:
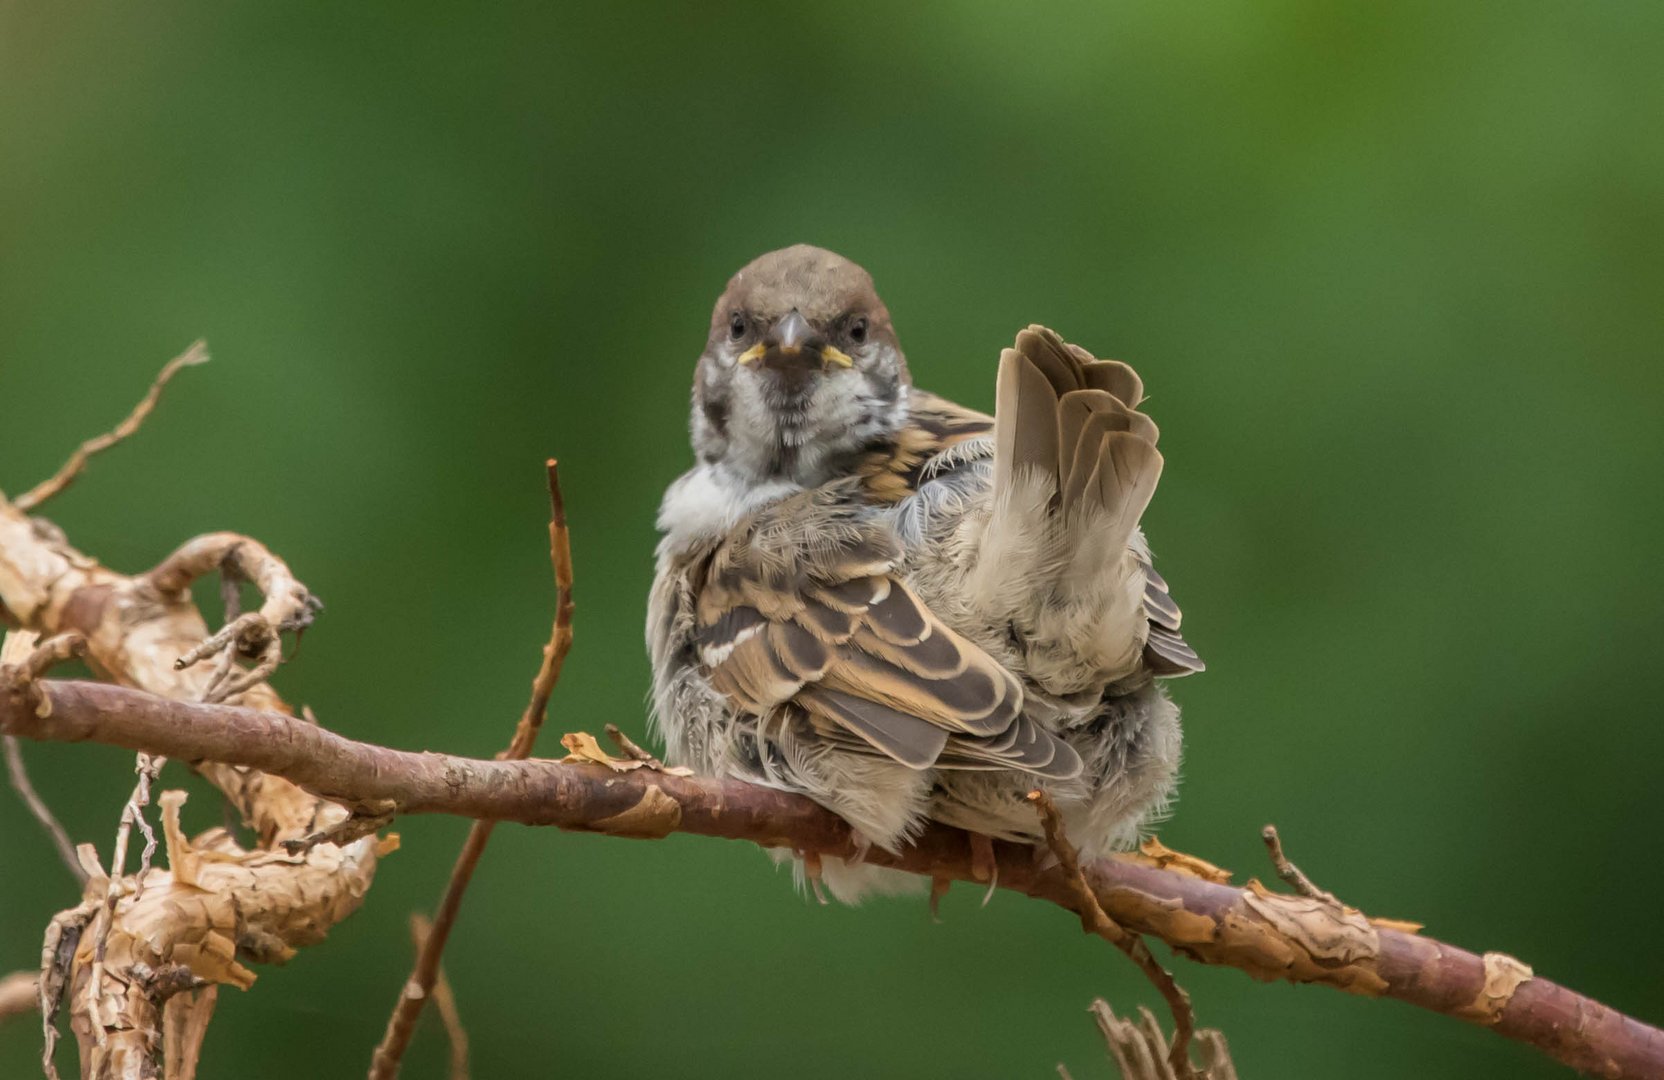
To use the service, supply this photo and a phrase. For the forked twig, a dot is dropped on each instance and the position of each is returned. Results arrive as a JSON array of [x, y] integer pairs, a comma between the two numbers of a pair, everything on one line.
[[1290, 873], [384, 1064], [19, 775], [1094, 921], [1137, 1046], [631, 749], [147, 766], [444, 999], [71, 469]]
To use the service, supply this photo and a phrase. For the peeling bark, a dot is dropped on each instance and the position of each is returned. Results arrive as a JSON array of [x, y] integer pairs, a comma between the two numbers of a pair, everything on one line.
[[1268, 935], [217, 902]]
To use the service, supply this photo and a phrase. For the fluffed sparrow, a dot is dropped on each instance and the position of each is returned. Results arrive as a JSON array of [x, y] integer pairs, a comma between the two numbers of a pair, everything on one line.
[[903, 608]]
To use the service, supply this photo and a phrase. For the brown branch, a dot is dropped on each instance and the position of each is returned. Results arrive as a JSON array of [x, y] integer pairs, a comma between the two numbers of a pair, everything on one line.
[[444, 999], [401, 1025], [19, 775], [1268, 935], [71, 469], [1094, 921]]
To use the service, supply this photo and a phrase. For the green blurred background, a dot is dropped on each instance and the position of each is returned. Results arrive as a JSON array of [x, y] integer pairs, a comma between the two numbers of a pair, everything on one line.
[[1392, 273]]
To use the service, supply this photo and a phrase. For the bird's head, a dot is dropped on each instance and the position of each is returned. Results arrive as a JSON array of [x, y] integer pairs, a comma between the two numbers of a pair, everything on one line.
[[801, 369]]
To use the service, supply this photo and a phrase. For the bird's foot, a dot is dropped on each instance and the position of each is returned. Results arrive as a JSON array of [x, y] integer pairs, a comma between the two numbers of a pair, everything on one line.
[[938, 888], [812, 874]]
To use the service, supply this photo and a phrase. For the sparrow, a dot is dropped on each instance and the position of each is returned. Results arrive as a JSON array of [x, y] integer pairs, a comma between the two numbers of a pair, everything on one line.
[[903, 608]]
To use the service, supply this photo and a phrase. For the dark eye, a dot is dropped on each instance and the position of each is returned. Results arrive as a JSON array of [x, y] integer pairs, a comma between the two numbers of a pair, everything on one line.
[[858, 331], [736, 326]]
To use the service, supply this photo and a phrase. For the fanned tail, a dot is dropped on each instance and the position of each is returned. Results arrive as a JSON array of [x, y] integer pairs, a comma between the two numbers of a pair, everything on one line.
[[1075, 467]]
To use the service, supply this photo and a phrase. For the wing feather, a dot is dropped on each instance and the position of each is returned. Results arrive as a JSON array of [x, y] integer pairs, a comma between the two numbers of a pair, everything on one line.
[[802, 608]]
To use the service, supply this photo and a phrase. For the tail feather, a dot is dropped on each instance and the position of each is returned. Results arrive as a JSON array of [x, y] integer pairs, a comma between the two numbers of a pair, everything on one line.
[[1113, 377], [1072, 419], [1071, 445], [1122, 485], [1025, 419]]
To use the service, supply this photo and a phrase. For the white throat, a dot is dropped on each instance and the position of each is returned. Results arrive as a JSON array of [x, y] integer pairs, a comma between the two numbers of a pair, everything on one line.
[[708, 500]]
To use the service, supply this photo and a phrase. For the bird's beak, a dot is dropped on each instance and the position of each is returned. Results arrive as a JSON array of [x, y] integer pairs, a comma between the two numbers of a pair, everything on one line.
[[790, 334], [793, 344]]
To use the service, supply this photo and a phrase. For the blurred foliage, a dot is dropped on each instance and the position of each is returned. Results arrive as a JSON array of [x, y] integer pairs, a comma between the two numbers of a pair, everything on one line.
[[1392, 273]]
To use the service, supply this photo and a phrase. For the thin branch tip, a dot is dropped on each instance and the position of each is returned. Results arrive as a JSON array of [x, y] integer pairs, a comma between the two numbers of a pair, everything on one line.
[[1094, 920], [1291, 874], [71, 469], [425, 973]]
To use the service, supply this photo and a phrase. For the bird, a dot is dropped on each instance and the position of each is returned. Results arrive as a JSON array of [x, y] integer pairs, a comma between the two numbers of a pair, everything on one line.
[[903, 608]]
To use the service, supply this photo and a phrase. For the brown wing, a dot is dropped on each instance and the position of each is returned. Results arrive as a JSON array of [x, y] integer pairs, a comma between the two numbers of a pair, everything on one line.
[[934, 426], [801, 606]]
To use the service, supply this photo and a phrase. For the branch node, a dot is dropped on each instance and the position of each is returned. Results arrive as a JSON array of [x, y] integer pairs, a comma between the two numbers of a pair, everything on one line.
[[631, 750], [71, 469], [425, 973], [1094, 920], [361, 822], [1292, 874]]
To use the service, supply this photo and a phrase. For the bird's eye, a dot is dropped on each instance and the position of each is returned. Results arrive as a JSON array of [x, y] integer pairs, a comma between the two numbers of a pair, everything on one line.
[[858, 331], [736, 326]]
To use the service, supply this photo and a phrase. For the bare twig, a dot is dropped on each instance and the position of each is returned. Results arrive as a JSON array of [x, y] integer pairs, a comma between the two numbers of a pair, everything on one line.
[[71, 469], [360, 823], [25, 789], [29, 657], [1138, 1046], [444, 999], [1094, 921], [19, 652], [628, 747], [384, 1064], [1290, 873], [132, 813]]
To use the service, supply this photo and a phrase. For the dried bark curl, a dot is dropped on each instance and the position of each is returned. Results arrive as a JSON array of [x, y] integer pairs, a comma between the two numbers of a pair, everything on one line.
[[217, 902]]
